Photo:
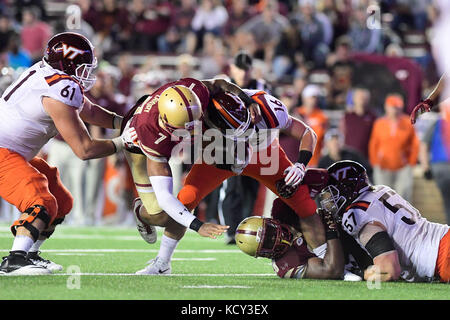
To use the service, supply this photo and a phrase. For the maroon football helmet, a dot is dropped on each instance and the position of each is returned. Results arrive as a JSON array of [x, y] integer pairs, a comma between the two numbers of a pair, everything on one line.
[[73, 54], [227, 113]]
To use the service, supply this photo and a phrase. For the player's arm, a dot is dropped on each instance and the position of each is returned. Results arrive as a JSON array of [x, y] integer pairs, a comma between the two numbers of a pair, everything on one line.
[[162, 182], [386, 265], [218, 85], [332, 264], [96, 115], [427, 104], [75, 133], [308, 140]]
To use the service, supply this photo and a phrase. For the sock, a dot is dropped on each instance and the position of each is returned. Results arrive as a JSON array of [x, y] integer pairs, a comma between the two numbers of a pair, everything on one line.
[[22, 243], [35, 247], [167, 248]]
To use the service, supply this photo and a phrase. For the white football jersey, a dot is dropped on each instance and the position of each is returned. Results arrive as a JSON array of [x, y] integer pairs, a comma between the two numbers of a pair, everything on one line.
[[275, 117], [25, 125], [415, 239]]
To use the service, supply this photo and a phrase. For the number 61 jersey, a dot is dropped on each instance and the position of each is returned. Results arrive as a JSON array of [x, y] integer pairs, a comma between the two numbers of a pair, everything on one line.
[[415, 239], [25, 125]]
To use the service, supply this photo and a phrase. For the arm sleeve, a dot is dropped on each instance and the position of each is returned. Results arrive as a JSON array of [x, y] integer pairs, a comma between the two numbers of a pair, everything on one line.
[[163, 185]]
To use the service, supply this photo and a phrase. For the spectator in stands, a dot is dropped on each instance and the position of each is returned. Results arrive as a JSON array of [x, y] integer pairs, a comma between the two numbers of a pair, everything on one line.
[[79, 25], [238, 14], [210, 17], [358, 120], [334, 150], [394, 148], [316, 32], [286, 51], [16, 56], [363, 39], [341, 53], [35, 33], [339, 85], [260, 35], [435, 155], [6, 32], [314, 117], [241, 73], [213, 59], [174, 40], [127, 72]]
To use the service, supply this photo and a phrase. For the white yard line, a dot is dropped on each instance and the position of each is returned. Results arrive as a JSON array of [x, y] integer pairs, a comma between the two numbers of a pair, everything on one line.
[[215, 287], [133, 250], [170, 275]]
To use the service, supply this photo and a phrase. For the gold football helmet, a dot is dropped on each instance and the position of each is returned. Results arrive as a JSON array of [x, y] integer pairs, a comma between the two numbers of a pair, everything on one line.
[[263, 237], [179, 108]]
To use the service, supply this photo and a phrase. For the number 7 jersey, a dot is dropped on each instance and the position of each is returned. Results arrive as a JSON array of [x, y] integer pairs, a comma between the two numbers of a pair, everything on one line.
[[25, 125], [415, 238]]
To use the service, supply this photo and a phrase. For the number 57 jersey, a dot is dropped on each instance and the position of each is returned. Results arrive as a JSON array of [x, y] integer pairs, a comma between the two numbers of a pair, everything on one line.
[[25, 125], [415, 238]]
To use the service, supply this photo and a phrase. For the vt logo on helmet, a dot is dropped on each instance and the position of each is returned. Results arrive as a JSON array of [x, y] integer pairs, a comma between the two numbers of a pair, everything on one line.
[[263, 237], [73, 54], [346, 179], [179, 108]]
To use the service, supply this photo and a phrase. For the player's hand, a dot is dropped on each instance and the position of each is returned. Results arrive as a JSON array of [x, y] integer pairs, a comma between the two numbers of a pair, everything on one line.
[[212, 230], [329, 224], [130, 138], [422, 107], [294, 174], [255, 112]]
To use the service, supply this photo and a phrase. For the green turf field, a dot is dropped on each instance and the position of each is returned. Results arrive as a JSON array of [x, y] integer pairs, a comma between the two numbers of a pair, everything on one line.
[[106, 258]]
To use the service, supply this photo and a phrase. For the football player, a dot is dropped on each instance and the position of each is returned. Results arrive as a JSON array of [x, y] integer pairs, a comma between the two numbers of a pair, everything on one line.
[[279, 238], [400, 241], [227, 114], [46, 99], [150, 136]]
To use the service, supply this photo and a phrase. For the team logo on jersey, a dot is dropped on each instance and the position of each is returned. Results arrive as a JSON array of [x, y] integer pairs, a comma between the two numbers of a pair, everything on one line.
[[69, 52]]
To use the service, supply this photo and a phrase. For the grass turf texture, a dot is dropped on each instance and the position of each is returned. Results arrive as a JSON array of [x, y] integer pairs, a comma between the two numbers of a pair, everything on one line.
[[202, 269]]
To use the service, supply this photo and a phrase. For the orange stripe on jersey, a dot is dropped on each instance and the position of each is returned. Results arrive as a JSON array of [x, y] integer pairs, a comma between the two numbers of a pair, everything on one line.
[[267, 114], [233, 122], [56, 77], [363, 205]]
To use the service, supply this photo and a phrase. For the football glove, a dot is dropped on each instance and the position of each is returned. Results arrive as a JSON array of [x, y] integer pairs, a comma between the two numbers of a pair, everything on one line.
[[331, 230], [294, 174], [422, 107]]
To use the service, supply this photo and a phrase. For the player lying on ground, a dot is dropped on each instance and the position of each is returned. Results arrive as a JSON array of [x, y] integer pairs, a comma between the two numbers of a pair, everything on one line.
[[427, 104], [48, 98], [227, 115], [279, 238], [401, 242], [150, 130]]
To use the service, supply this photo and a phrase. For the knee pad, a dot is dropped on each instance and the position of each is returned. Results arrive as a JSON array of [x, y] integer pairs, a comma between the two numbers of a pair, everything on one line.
[[34, 212]]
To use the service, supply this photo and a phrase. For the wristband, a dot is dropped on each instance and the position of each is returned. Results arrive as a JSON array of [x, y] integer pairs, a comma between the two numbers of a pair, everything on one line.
[[118, 144], [331, 234], [304, 157], [117, 121], [196, 224]]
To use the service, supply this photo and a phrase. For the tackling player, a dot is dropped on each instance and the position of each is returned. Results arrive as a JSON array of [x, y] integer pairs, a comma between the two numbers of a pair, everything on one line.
[[149, 135], [46, 99], [401, 242], [227, 113]]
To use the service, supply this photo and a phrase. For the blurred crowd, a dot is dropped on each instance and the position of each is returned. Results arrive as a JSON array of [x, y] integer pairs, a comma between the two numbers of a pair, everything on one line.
[[351, 69]]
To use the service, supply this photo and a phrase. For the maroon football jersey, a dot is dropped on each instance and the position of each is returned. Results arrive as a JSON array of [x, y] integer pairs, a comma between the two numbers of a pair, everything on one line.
[[155, 142], [294, 260]]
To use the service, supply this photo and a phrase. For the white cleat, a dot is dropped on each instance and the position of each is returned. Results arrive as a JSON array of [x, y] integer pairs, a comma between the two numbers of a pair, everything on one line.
[[18, 265], [156, 267], [147, 232], [44, 263]]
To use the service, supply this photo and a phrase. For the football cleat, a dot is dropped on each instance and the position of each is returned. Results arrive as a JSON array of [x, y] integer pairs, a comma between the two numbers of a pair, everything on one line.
[[156, 267], [39, 261], [147, 232], [16, 264]]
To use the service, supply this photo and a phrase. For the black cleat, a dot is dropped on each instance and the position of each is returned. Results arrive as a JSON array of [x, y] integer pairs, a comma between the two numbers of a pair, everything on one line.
[[16, 264]]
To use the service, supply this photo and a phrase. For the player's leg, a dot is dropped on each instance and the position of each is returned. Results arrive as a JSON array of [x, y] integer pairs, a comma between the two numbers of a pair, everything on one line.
[[443, 259], [27, 189], [65, 202], [271, 174]]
